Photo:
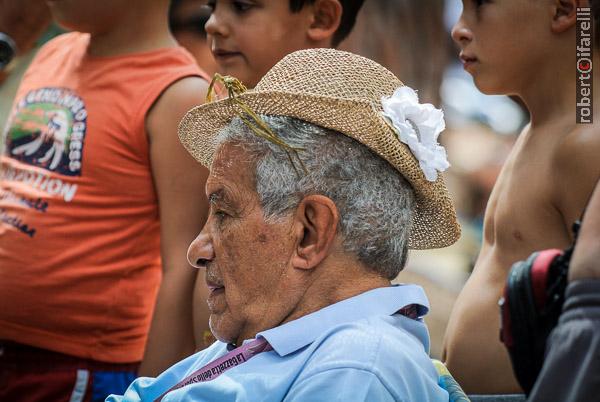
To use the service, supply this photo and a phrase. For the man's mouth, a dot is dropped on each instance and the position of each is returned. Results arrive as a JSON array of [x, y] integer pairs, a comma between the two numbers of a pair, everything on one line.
[[214, 301], [214, 285], [216, 289]]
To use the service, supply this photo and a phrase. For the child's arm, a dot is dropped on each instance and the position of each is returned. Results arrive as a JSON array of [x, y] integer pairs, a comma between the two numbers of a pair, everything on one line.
[[179, 182], [23, 21], [569, 372], [576, 172], [585, 263]]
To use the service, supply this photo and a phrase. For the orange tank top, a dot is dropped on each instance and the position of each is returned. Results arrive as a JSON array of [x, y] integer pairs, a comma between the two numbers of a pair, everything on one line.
[[79, 225]]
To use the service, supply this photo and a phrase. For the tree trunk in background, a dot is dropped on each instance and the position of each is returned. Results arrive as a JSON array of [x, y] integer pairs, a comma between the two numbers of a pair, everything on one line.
[[406, 36]]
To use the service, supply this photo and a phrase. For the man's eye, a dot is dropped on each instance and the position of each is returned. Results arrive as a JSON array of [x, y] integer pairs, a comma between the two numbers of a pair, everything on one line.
[[220, 215], [479, 3]]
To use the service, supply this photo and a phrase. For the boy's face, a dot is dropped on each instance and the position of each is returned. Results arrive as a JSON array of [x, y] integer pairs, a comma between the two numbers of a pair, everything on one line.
[[503, 42], [248, 37], [85, 15]]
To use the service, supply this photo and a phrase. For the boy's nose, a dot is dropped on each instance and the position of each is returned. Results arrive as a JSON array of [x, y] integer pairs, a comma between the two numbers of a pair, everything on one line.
[[461, 34], [200, 252], [215, 25]]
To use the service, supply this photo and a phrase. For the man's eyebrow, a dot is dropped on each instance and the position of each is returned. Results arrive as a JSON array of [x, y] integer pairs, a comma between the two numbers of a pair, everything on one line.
[[219, 195], [215, 196]]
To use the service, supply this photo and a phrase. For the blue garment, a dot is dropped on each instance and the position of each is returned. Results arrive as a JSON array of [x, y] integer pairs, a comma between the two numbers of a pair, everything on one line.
[[106, 382], [355, 350]]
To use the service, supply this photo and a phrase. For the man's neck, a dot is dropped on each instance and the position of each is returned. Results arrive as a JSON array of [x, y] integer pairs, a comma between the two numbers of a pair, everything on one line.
[[143, 31], [325, 292], [327, 286]]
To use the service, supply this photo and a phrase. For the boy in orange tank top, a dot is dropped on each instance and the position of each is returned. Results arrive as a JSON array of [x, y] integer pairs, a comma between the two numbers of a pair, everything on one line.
[[525, 48], [98, 202]]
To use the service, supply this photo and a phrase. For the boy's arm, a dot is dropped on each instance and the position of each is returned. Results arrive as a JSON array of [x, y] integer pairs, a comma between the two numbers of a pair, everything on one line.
[[568, 372], [585, 262], [24, 21], [577, 170], [179, 182]]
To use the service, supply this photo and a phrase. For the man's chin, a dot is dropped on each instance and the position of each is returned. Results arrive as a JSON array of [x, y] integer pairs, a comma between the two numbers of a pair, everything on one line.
[[220, 329]]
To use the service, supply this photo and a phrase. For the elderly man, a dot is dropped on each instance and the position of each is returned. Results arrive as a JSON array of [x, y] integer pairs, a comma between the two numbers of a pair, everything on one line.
[[314, 200]]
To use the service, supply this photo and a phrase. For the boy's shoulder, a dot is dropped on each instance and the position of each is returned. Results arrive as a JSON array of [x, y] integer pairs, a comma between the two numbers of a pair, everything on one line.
[[582, 140], [61, 45], [543, 188], [579, 150], [576, 167]]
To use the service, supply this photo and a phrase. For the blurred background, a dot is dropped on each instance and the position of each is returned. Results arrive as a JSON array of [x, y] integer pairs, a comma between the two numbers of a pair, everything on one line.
[[412, 39]]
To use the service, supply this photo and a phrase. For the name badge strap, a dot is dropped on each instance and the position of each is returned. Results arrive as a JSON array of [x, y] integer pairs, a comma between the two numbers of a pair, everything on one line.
[[245, 352], [217, 367]]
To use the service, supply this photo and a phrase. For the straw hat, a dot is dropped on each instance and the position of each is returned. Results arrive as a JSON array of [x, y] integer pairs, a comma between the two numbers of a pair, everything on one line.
[[340, 91]]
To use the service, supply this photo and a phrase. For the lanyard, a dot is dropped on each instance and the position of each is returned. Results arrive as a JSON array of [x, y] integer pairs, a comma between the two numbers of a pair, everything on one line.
[[217, 367], [242, 354]]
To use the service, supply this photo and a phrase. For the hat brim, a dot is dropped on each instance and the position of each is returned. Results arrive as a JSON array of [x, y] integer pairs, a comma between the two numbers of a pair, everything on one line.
[[434, 225]]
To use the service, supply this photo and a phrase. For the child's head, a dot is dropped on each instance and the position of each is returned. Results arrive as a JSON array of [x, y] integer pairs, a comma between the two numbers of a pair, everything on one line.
[[248, 37], [99, 17], [186, 20], [505, 44]]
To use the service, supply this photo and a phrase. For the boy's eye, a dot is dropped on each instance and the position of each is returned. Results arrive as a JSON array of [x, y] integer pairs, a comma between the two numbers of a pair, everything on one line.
[[210, 5], [479, 3], [241, 6]]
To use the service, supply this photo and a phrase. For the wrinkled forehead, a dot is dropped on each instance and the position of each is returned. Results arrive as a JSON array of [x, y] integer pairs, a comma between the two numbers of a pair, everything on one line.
[[223, 160], [231, 167]]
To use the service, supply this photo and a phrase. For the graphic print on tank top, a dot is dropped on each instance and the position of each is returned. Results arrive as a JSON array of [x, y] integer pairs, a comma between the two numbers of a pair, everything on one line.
[[47, 130]]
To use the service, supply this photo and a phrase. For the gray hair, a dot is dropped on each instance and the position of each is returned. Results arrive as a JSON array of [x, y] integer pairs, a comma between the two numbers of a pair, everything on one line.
[[375, 202]]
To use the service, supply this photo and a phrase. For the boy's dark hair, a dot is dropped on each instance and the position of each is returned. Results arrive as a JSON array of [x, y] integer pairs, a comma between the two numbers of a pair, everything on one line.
[[350, 10], [193, 23]]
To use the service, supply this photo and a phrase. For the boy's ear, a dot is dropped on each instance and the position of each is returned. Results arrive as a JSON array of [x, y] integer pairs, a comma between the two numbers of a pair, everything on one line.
[[327, 15], [565, 14], [315, 228]]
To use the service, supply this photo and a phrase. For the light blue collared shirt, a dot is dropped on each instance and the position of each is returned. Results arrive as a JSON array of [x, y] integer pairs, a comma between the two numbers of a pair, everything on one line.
[[358, 349]]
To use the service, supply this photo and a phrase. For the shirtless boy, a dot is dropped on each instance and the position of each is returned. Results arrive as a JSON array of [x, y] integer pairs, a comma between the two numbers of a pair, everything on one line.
[[524, 48]]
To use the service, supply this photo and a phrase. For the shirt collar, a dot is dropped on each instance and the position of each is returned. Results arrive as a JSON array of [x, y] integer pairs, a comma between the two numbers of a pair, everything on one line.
[[294, 335]]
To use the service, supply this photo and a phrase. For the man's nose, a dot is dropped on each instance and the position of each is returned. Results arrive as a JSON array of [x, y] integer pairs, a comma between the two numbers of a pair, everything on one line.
[[200, 252], [461, 34]]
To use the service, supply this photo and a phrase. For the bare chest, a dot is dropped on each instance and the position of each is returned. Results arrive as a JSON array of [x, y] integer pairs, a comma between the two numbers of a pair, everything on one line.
[[521, 216]]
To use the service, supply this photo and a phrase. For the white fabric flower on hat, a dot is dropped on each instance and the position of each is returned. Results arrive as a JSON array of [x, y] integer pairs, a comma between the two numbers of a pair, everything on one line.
[[418, 126]]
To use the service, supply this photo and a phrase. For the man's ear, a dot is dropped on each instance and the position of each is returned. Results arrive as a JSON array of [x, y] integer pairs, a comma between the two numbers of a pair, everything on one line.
[[315, 227], [565, 14], [326, 18]]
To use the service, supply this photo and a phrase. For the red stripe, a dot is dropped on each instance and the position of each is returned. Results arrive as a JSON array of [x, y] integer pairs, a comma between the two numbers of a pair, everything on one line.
[[539, 274]]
